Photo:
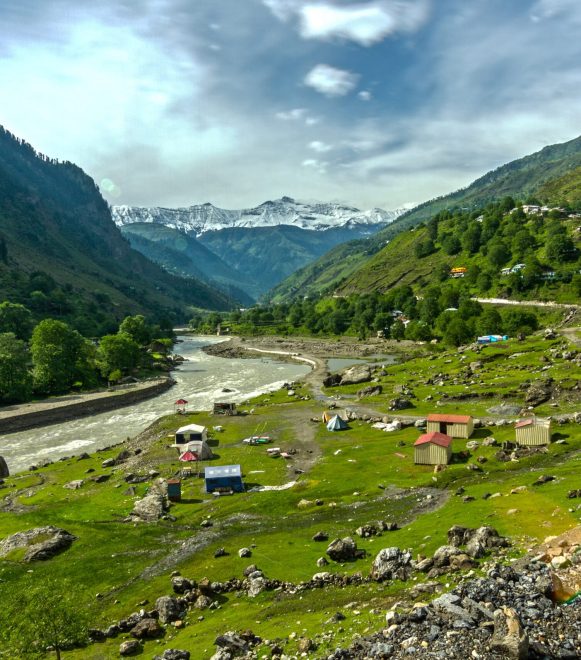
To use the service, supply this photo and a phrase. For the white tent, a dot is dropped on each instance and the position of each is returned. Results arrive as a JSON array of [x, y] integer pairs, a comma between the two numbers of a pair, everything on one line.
[[198, 447], [190, 433], [336, 424]]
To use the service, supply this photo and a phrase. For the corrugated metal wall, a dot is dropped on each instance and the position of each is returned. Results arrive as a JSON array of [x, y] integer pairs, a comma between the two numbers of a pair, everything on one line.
[[454, 430], [431, 454], [533, 436]]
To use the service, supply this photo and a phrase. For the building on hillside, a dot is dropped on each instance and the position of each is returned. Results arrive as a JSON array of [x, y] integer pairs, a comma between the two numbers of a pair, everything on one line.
[[224, 479], [456, 426], [433, 448], [533, 432], [200, 448], [491, 339], [191, 433]]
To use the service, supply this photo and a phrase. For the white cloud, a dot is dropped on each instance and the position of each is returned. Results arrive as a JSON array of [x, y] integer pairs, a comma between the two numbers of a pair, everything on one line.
[[320, 147], [311, 121], [317, 165], [365, 95], [552, 9], [364, 23], [291, 115], [331, 81]]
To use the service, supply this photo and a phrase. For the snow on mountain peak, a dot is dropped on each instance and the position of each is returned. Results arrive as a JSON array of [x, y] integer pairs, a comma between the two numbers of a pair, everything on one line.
[[198, 219]]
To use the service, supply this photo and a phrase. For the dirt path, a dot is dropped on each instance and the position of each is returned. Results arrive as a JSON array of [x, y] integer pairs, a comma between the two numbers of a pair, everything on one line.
[[572, 334], [528, 303]]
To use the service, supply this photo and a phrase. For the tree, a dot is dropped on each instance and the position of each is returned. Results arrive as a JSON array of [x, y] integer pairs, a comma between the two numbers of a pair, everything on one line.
[[59, 356], [424, 248], [451, 244], [498, 254], [117, 352], [15, 318], [140, 331], [471, 238], [518, 320], [41, 616], [457, 332], [15, 377], [397, 330], [489, 322], [560, 247]]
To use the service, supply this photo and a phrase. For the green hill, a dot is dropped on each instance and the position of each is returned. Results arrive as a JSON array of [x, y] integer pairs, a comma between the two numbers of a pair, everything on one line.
[[551, 174], [62, 256]]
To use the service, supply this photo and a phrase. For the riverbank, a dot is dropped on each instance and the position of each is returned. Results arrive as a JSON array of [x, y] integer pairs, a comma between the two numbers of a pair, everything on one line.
[[73, 406]]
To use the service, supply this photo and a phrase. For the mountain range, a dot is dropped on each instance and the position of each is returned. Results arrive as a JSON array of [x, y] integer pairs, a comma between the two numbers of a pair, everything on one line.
[[246, 252]]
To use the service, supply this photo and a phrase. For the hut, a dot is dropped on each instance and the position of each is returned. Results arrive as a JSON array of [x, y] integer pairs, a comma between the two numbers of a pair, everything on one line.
[[433, 448], [180, 406], [224, 479], [336, 424], [456, 426], [174, 490], [224, 409], [190, 433], [532, 432]]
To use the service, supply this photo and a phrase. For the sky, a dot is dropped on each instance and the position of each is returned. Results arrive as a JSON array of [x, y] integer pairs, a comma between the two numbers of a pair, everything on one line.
[[375, 103]]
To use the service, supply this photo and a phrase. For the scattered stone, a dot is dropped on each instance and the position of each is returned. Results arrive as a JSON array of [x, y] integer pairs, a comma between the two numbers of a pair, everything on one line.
[[344, 550], [392, 564], [321, 536], [244, 552], [220, 552], [108, 462], [173, 654], [370, 390], [356, 374], [74, 485], [147, 629], [169, 609], [509, 638], [321, 562]]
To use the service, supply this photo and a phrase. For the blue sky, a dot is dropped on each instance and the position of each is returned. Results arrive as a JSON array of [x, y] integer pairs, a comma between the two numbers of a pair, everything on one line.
[[375, 102]]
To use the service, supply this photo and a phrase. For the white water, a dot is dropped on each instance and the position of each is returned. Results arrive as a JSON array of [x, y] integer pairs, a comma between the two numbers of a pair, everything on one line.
[[199, 380]]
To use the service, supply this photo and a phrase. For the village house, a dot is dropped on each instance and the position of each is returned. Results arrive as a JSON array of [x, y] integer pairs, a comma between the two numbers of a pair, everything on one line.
[[456, 426], [433, 448], [532, 432], [190, 433]]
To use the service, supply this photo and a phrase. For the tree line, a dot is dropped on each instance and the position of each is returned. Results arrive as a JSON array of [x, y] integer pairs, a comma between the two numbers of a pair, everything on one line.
[[51, 357]]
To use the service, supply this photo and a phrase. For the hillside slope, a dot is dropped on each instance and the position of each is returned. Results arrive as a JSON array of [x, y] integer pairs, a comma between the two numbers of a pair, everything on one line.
[[551, 174], [63, 256]]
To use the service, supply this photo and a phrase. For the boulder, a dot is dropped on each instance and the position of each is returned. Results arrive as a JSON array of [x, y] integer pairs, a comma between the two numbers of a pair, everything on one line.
[[168, 608], [4, 471], [257, 585], [244, 552], [130, 647], [343, 549], [332, 380], [509, 638], [181, 584], [173, 654], [232, 642], [151, 508], [400, 403], [147, 629], [74, 485], [392, 564], [360, 373], [370, 390], [443, 555], [321, 536], [41, 543], [539, 392]]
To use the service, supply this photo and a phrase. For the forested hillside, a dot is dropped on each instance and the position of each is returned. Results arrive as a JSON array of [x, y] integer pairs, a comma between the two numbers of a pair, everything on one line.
[[551, 175], [62, 256]]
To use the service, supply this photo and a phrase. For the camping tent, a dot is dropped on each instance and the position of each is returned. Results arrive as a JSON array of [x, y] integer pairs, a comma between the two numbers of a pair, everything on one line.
[[190, 433], [189, 457], [336, 424], [198, 447]]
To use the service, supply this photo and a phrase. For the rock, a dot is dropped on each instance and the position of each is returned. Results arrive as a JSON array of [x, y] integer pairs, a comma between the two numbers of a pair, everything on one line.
[[392, 564], [365, 531], [472, 445], [147, 629], [321, 562], [305, 645], [244, 552], [4, 471], [151, 508], [421, 423], [130, 647], [108, 462], [235, 643], [332, 380], [343, 550], [321, 536], [181, 584], [549, 333], [539, 392], [505, 409], [509, 637], [543, 479], [443, 555], [250, 569], [168, 608], [450, 606], [220, 552], [174, 654], [41, 543], [257, 585], [202, 602], [360, 373], [371, 390], [74, 485], [400, 403]]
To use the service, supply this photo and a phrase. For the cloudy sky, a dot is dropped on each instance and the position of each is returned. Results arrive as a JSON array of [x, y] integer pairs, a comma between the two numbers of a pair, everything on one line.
[[371, 102]]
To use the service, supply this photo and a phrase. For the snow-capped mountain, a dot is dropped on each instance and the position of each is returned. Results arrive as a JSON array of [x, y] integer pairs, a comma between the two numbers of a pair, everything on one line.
[[202, 218]]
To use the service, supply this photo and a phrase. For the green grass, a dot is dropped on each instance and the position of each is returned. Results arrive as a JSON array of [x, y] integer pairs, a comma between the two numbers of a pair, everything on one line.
[[353, 472]]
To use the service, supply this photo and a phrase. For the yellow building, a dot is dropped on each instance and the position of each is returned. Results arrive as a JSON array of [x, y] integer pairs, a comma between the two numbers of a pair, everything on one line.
[[533, 432], [457, 426]]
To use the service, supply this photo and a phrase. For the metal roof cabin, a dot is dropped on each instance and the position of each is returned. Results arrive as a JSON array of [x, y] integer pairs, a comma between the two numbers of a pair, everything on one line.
[[191, 433], [224, 479], [532, 432], [456, 426], [433, 448]]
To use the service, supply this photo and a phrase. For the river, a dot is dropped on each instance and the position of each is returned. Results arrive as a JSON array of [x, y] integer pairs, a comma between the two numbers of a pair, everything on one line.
[[200, 380]]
